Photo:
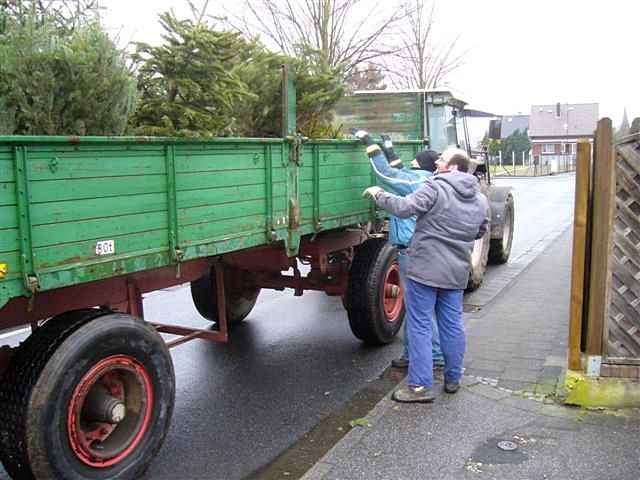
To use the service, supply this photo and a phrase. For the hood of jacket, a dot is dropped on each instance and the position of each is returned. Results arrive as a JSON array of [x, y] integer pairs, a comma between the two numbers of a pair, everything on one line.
[[464, 184]]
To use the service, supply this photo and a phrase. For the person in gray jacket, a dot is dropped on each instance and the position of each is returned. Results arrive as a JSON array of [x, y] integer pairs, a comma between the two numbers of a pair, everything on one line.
[[451, 214]]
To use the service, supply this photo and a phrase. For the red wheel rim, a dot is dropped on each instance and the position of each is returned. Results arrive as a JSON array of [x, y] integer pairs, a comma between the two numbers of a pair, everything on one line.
[[118, 380], [393, 293]]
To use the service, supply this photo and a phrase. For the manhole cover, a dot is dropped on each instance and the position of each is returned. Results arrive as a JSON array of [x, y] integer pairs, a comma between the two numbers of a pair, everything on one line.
[[507, 446]]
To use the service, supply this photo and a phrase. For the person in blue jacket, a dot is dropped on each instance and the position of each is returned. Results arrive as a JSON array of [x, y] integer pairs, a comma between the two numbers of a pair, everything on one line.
[[402, 181]]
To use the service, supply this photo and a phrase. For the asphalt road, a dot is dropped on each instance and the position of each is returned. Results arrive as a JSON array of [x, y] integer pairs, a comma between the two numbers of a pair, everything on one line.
[[289, 364]]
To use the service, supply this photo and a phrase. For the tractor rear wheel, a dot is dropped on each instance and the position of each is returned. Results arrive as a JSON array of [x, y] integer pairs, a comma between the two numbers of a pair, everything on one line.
[[501, 247], [479, 260]]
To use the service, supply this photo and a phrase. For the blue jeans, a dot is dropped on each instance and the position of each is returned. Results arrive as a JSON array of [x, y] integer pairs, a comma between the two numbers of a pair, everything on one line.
[[420, 300], [436, 351]]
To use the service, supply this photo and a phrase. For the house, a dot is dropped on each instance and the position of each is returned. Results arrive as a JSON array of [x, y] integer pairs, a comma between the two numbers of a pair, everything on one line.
[[555, 129], [511, 123]]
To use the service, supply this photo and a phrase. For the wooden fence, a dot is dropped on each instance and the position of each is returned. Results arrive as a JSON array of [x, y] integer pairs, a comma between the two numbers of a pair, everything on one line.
[[604, 337]]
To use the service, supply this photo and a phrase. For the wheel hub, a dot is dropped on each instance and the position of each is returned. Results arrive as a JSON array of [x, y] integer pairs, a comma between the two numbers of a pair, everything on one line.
[[110, 411], [393, 294]]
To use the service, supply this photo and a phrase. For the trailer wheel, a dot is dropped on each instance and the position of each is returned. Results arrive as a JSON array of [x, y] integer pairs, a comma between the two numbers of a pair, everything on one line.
[[501, 247], [479, 260], [239, 302], [89, 395], [375, 305]]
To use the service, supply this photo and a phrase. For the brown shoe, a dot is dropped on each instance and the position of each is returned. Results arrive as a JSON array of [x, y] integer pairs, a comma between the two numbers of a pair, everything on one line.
[[413, 394], [451, 387]]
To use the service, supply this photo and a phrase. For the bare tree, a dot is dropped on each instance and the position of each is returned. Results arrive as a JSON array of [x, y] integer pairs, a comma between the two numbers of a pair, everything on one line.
[[343, 33], [369, 77], [422, 61], [68, 14]]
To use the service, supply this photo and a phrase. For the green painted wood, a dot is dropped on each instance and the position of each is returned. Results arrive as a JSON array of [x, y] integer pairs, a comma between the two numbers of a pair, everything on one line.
[[7, 172], [7, 194], [96, 208], [62, 256], [99, 229], [8, 217], [172, 207], [268, 191], [95, 167], [332, 184], [289, 102], [9, 240], [239, 159], [347, 207], [209, 231], [202, 197], [195, 181], [221, 211], [25, 233], [81, 189]]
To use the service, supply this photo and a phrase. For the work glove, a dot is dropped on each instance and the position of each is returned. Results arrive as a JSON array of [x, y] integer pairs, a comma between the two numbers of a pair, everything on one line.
[[363, 136], [372, 192], [372, 148], [387, 148]]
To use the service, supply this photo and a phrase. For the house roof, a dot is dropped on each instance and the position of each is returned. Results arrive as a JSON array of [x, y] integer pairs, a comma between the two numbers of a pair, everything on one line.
[[574, 120], [511, 123]]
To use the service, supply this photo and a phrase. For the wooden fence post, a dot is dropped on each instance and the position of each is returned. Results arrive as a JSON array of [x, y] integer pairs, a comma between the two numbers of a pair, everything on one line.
[[578, 266], [602, 222]]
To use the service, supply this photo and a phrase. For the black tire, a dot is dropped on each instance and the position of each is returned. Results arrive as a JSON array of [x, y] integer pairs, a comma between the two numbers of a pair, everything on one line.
[[239, 302], [374, 260], [501, 247], [479, 260], [43, 378]]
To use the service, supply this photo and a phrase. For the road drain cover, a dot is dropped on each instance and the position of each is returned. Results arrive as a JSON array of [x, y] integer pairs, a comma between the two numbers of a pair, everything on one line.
[[507, 446]]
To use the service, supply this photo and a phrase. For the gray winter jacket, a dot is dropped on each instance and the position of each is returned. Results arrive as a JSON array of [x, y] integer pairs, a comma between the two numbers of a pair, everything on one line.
[[452, 214]]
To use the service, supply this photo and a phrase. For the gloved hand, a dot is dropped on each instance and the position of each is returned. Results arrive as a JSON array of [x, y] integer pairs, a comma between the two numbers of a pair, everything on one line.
[[372, 192], [387, 148], [363, 136]]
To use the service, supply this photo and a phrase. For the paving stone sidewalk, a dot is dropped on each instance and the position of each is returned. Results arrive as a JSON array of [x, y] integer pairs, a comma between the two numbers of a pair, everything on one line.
[[518, 342]]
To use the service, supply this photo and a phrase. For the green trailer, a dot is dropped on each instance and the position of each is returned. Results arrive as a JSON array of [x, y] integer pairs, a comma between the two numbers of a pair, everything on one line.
[[88, 225]]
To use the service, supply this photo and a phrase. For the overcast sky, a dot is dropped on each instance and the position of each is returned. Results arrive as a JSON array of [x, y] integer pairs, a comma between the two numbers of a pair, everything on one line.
[[521, 52]]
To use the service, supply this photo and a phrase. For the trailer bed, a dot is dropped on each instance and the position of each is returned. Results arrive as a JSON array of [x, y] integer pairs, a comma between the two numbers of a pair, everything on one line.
[[82, 209]]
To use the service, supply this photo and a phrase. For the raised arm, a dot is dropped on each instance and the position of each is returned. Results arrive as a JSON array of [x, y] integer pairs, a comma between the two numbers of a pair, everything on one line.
[[397, 179]]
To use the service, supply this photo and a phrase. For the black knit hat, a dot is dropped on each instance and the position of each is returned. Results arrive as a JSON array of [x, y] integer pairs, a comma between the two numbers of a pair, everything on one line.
[[427, 160]]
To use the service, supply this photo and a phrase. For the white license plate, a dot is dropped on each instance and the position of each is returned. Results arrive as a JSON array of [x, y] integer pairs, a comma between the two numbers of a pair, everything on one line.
[[106, 247]]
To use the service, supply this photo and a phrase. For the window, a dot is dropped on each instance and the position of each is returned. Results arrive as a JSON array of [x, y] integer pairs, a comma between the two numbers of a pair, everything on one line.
[[442, 127], [568, 148], [548, 148]]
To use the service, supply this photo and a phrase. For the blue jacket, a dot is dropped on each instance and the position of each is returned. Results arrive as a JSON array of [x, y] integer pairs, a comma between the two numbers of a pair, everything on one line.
[[401, 181]]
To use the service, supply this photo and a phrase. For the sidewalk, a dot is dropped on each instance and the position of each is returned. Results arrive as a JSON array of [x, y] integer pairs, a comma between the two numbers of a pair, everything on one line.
[[516, 354]]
